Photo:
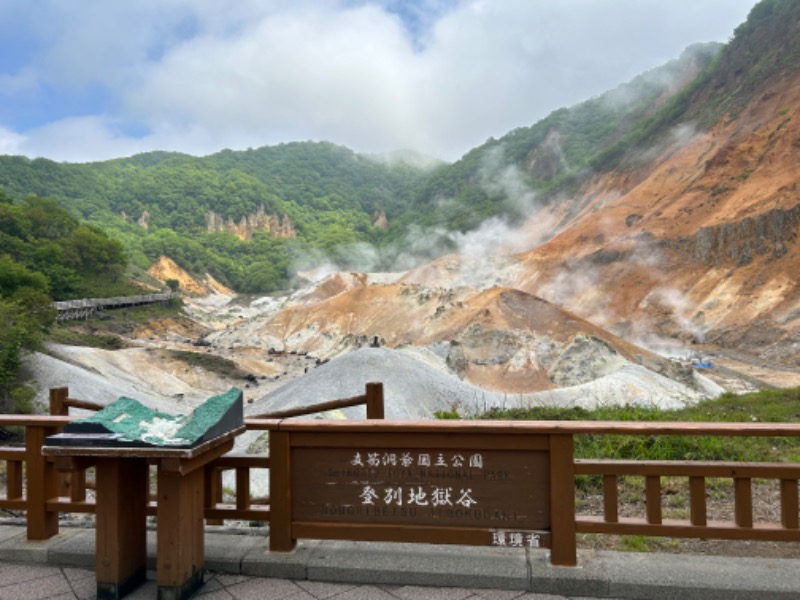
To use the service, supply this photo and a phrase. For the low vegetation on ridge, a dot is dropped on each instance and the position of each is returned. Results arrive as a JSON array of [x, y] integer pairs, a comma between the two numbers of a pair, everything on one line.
[[766, 406]]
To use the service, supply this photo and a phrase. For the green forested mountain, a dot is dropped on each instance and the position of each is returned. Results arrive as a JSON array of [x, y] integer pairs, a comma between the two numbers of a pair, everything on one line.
[[328, 193], [555, 155]]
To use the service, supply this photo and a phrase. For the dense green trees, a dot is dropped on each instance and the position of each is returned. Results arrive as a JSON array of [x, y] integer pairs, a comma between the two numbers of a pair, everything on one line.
[[45, 254], [73, 257], [26, 314], [158, 204]]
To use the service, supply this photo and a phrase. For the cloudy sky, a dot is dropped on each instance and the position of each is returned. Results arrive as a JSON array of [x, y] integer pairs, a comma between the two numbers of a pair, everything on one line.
[[94, 79]]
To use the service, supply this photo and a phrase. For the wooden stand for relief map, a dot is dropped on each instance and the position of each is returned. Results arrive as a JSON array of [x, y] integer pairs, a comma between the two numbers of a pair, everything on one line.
[[122, 492], [426, 483]]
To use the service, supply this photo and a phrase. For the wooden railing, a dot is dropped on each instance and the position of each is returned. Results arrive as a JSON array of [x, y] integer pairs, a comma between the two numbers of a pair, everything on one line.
[[565, 523], [695, 475], [43, 493], [32, 484], [31, 481], [697, 524]]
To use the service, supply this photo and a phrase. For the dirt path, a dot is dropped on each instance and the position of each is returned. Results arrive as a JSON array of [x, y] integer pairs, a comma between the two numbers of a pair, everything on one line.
[[738, 371]]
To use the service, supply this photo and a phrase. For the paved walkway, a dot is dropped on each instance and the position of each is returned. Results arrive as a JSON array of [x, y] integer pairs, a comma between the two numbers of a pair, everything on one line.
[[38, 582], [240, 567]]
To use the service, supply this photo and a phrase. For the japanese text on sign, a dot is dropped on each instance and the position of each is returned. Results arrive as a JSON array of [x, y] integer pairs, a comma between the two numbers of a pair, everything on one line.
[[423, 486], [515, 539], [418, 496], [420, 459]]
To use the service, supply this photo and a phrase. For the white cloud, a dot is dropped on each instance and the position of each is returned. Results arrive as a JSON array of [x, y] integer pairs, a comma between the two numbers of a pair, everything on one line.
[[10, 142], [201, 75], [84, 138], [314, 74]]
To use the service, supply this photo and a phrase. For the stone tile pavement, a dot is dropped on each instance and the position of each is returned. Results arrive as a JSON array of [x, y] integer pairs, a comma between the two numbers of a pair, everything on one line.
[[239, 566], [50, 582]]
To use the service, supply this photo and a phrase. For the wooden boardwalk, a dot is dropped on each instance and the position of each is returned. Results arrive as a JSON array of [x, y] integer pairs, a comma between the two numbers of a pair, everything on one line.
[[70, 310]]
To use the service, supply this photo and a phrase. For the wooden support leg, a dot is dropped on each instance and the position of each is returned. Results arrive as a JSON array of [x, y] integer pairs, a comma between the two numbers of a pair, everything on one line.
[[42, 482], [121, 546], [280, 522], [562, 501], [179, 566]]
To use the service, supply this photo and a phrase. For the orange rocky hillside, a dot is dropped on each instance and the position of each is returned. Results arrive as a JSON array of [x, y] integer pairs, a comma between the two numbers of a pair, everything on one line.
[[700, 242], [166, 268]]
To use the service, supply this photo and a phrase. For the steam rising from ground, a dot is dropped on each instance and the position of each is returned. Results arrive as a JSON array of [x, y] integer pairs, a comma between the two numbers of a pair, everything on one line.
[[500, 179], [485, 253], [681, 309], [493, 241]]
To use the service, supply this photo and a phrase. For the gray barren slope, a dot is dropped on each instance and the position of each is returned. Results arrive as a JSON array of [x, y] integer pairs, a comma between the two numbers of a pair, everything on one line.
[[412, 389], [415, 390]]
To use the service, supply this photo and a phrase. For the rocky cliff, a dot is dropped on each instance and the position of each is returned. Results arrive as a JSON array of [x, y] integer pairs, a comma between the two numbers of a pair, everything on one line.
[[280, 226], [699, 242]]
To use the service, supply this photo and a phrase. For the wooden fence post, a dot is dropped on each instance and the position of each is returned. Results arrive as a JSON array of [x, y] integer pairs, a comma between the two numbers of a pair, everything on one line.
[[42, 485], [375, 400], [58, 407], [563, 551], [280, 494], [14, 479], [213, 491], [789, 503]]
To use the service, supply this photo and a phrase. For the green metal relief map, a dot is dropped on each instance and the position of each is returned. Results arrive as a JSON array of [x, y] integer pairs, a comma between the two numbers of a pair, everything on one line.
[[129, 423]]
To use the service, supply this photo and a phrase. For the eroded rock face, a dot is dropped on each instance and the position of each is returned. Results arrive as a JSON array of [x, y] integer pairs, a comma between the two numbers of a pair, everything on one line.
[[695, 240], [584, 359], [379, 219], [456, 359], [766, 234], [277, 226], [499, 339]]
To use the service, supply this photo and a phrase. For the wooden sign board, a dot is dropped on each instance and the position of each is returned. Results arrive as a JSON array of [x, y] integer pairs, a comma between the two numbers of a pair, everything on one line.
[[501, 495]]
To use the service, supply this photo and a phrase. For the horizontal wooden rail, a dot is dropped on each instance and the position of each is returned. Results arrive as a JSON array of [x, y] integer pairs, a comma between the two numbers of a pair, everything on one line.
[[230, 512], [236, 460], [543, 427], [373, 399], [687, 469], [684, 529], [15, 504], [65, 505], [84, 404], [13, 454], [314, 408]]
